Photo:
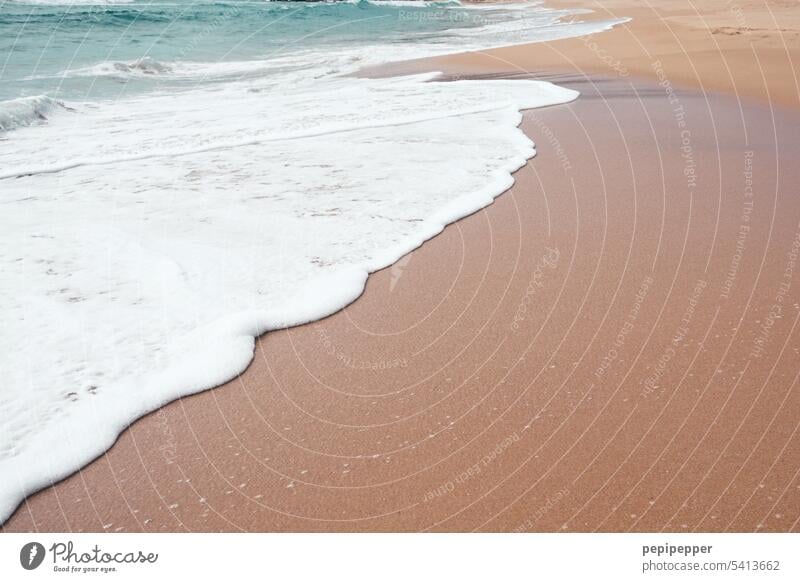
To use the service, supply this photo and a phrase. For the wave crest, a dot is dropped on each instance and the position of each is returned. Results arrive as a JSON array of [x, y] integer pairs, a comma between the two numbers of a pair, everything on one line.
[[144, 67], [26, 111]]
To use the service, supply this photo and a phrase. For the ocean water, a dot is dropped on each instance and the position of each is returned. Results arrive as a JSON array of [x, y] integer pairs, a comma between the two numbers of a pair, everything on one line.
[[177, 178]]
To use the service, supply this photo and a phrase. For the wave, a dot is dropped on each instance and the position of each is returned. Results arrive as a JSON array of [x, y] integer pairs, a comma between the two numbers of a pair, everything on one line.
[[26, 111], [150, 68], [159, 330], [144, 67], [559, 95]]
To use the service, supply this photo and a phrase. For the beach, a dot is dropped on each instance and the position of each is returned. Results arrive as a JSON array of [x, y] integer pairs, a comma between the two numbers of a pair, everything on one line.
[[611, 345], [744, 47]]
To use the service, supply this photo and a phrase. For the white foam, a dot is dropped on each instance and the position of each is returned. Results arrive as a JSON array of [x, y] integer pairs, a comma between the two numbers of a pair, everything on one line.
[[140, 263], [148, 67]]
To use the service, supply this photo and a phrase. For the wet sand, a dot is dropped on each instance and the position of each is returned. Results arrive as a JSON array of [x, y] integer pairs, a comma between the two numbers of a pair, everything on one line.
[[613, 345]]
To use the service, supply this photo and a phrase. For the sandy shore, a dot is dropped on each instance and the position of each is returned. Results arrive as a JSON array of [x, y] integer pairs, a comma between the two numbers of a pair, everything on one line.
[[613, 345]]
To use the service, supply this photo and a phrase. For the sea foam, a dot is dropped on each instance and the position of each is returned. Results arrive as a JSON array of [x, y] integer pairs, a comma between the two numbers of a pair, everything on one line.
[[26, 111]]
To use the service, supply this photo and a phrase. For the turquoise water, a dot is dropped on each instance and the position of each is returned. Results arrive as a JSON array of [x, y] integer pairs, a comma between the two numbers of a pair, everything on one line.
[[42, 45]]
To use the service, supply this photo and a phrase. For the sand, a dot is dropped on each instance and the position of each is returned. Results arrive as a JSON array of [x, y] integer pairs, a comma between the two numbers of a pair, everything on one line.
[[611, 346]]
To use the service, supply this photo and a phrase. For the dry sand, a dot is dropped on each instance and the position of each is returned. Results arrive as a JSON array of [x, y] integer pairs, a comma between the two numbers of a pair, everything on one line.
[[613, 345]]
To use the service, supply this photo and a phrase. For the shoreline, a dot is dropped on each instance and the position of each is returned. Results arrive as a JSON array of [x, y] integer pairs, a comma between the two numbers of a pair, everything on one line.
[[520, 371], [168, 433], [731, 47]]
